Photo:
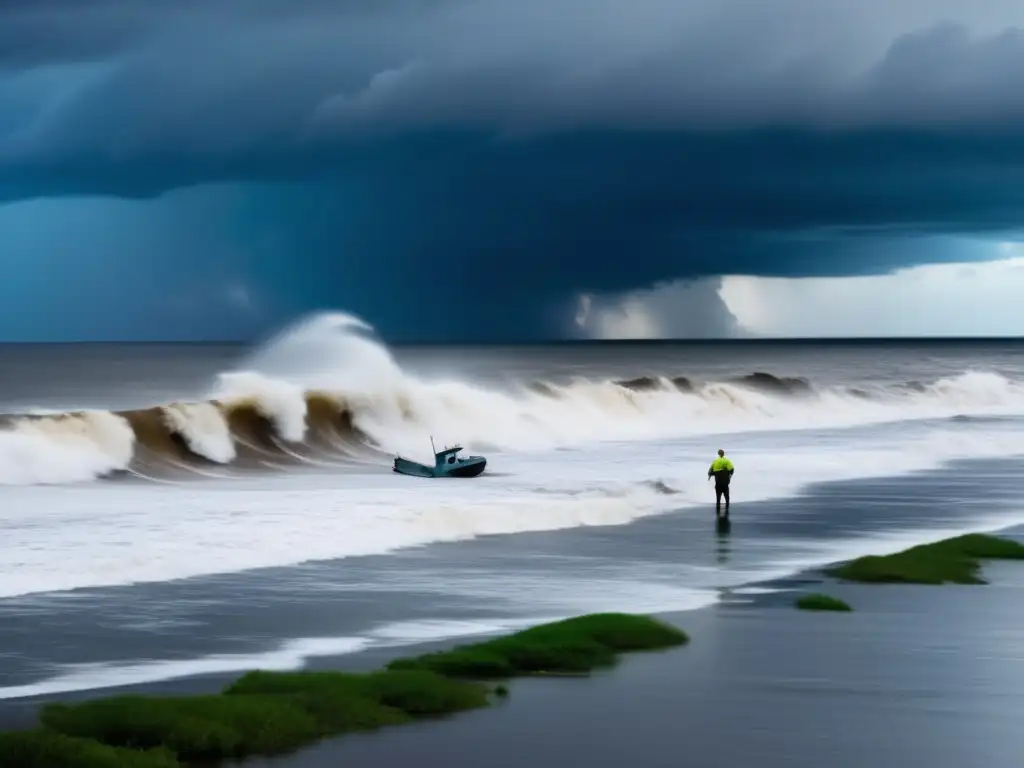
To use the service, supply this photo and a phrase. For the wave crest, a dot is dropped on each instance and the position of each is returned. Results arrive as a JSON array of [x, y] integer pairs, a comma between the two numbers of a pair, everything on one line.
[[326, 391], [65, 448]]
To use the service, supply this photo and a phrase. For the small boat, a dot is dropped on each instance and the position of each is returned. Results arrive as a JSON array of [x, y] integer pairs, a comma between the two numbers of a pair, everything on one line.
[[447, 463]]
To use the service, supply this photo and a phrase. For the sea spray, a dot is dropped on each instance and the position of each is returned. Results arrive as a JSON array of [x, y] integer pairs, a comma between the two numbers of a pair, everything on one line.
[[67, 448], [203, 428]]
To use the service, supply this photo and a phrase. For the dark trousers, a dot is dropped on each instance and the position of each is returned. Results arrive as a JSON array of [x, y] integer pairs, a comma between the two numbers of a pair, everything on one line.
[[720, 491]]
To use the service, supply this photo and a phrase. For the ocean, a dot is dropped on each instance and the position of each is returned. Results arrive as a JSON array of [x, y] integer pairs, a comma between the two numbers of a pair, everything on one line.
[[169, 511]]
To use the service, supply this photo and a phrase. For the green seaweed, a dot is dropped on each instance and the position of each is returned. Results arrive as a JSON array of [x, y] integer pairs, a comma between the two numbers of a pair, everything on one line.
[[266, 713], [396, 694], [578, 645], [46, 749], [819, 602], [193, 727], [955, 560]]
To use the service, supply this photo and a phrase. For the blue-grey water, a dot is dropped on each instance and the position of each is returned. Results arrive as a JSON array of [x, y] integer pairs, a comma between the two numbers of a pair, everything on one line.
[[915, 675], [127, 558]]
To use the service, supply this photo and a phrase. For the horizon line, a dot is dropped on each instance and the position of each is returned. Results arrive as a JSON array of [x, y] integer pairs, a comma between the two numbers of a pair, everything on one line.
[[546, 342]]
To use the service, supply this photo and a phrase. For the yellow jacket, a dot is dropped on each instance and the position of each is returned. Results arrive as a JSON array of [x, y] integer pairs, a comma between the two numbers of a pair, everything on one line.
[[721, 469]]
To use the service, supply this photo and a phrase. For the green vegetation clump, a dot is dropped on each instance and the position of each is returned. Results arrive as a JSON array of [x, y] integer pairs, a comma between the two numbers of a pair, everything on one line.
[[267, 713], [572, 646], [955, 560], [819, 602], [264, 712], [46, 749], [393, 694], [193, 727]]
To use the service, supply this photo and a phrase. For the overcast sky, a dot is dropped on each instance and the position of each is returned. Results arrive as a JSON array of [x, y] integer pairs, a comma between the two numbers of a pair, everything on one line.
[[485, 170]]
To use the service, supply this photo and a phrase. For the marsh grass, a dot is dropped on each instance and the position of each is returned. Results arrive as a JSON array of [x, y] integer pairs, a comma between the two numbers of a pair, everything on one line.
[[267, 713], [572, 646], [46, 749], [819, 602], [264, 712], [956, 561]]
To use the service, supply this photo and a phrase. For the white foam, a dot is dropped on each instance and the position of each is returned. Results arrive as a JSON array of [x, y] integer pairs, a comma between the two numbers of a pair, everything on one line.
[[756, 591], [203, 428], [100, 536], [106, 534], [93, 537], [567, 595], [65, 449], [328, 350], [429, 630], [282, 402], [332, 352], [86, 677]]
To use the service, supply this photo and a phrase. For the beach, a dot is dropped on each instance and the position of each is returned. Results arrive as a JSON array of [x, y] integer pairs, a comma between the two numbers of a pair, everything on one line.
[[300, 549], [373, 374], [929, 673], [914, 672]]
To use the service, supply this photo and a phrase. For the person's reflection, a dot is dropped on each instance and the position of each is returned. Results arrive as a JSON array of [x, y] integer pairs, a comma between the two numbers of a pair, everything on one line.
[[722, 549]]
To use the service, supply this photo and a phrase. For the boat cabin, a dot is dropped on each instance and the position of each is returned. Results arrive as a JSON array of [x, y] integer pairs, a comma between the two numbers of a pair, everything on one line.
[[446, 456]]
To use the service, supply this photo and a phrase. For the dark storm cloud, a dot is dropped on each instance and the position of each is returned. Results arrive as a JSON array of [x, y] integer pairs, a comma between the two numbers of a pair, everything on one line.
[[192, 92], [545, 148], [222, 78], [243, 83]]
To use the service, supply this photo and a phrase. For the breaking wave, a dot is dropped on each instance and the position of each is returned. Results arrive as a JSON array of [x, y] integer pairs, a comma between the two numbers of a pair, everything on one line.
[[325, 390]]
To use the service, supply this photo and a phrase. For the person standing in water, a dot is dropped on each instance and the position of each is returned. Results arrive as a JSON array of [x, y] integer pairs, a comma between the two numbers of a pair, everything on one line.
[[721, 469]]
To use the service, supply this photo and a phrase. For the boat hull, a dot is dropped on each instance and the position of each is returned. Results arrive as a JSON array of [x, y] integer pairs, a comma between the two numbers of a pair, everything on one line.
[[470, 467], [413, 468]]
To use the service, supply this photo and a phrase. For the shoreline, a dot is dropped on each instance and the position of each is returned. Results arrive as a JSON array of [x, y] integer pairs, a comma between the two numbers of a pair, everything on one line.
[[749, 598], [754, 591], [760, 677], [264, 713]]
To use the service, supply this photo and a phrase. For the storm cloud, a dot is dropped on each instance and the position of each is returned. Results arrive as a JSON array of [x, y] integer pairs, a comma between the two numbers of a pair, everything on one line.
[[222, 78], [548, 150]]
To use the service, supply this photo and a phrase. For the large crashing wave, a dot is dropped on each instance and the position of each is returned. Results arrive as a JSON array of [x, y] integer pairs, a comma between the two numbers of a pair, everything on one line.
[[326, 391]]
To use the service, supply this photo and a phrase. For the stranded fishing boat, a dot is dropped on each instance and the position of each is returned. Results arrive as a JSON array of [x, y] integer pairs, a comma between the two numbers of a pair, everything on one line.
[[446, 464]]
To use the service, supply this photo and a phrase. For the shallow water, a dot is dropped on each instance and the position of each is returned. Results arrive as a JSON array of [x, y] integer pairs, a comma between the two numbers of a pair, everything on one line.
[[914, 676]]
